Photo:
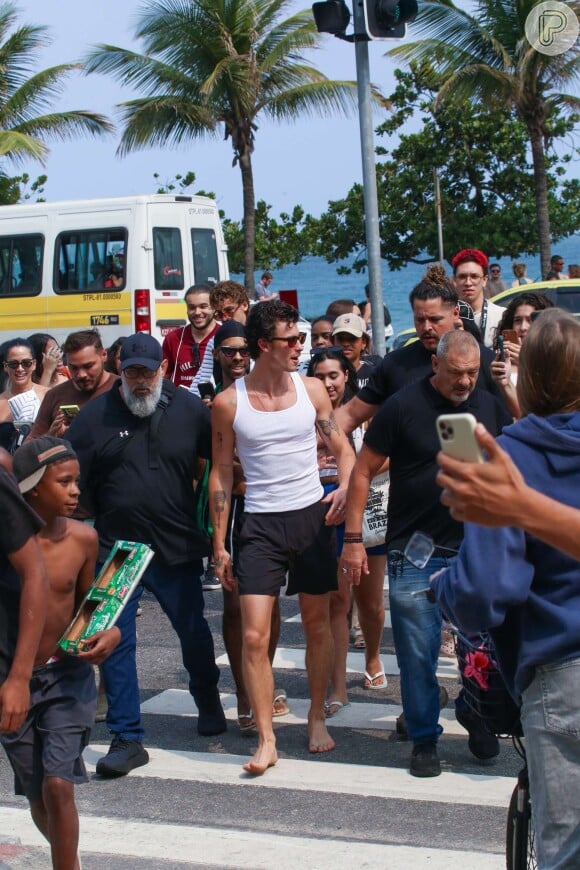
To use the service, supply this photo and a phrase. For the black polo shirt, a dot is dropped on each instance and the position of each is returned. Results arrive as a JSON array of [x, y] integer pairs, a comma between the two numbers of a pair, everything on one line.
[[132, 493], [19, 523], [408, 365], [404, 429]]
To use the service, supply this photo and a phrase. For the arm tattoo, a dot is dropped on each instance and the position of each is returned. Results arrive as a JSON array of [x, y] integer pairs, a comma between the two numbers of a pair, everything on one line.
[[327, 427], [219, 504]]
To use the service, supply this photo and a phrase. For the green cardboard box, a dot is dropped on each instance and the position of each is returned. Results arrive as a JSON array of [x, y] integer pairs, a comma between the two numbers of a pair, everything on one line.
[[107, 597]]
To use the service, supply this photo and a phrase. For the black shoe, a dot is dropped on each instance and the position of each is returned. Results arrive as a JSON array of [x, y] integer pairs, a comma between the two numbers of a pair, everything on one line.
[[401, 723], [211, 719], [424, 760], [482, 744], [123, 756]]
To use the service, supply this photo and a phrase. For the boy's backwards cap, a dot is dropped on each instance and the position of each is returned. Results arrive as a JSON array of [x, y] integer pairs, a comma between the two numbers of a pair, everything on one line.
[[32, 459]]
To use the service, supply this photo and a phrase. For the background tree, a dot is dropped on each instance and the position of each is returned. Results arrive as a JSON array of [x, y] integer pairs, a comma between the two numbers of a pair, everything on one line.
[[215, 66], [486, 181], [485, 56], [25, 96]]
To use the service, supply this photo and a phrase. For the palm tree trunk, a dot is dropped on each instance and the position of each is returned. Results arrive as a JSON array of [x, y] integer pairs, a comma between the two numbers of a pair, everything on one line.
[[245, 161], [541, 194]]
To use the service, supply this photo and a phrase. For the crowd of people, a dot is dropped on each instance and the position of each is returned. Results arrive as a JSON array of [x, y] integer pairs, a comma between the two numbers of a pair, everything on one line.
[[132, 439]]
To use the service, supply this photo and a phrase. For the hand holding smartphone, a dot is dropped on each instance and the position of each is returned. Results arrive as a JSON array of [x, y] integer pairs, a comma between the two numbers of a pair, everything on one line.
[[456, 434], [69, 412]]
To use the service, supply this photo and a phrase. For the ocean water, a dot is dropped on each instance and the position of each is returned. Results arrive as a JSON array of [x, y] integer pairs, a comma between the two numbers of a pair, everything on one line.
[[318, 283]]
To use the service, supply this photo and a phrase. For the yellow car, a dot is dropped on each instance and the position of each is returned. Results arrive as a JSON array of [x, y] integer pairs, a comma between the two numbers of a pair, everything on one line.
[[564, 294]]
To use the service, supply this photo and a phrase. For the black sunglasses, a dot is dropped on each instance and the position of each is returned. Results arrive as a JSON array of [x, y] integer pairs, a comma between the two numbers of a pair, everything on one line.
[[230, 352], [292, 340], [19, 363]]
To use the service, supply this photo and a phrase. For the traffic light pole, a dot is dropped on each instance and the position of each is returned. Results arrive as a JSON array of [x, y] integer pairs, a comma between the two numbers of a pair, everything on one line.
[[371, 204]]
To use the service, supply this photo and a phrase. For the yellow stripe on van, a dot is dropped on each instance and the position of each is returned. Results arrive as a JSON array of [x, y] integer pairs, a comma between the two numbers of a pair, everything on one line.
[[65, 311]]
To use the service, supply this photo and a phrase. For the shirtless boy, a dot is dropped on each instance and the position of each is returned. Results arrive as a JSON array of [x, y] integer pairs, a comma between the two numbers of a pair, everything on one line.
[[46, 752]]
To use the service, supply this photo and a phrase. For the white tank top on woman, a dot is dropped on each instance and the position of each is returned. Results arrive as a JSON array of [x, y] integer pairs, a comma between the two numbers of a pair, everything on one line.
[[277, 450]]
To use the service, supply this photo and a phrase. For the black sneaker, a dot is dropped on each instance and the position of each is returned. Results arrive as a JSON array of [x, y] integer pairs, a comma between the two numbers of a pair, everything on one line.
[[482, 744], [424, 760], [211, 719], [401, 723], [123, 757]]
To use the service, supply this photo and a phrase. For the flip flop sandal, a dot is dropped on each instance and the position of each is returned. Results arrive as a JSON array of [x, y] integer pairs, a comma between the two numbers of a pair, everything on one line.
[[281, 699], [371, 679], [340, 705], [246, 723]]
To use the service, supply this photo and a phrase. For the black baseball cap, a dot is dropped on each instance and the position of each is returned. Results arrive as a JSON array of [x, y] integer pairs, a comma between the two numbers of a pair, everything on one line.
[[141, 349], [32, 459]]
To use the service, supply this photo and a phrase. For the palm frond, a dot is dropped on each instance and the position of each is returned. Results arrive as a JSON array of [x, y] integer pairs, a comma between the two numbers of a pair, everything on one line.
[[19, 147]]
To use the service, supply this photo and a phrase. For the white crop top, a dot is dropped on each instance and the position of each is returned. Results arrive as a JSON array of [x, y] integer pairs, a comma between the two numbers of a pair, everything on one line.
[[277, 450]]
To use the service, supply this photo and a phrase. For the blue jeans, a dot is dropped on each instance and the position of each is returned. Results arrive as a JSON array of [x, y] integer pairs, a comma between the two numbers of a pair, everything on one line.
[[417, 635], [551, 722], [178, 591]]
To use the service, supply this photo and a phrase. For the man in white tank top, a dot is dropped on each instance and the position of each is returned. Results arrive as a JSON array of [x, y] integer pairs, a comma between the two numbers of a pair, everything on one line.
[[270, 417]]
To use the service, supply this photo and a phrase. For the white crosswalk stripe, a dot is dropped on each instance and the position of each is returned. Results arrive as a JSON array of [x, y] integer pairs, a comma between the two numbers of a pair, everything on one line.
[[244, 850], [376, 716], [290, 658]]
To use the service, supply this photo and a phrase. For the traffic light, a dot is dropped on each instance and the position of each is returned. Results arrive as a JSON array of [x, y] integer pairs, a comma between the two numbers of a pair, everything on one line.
[[331, 16], [387, 19]]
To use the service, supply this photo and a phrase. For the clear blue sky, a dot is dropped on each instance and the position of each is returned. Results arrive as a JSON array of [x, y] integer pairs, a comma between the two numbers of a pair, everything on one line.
[[309, 162]]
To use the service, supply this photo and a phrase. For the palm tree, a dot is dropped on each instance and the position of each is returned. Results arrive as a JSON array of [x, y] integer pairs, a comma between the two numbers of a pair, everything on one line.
[[24, 94], [212, 67], [485, 55]]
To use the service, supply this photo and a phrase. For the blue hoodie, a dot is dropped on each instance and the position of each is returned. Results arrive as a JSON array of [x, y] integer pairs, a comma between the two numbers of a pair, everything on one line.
[[506, 581]]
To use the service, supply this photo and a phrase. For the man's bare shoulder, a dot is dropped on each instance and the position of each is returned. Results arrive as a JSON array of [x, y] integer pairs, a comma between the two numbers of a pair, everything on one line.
[[315, 390], [226, 401], [81, 532]]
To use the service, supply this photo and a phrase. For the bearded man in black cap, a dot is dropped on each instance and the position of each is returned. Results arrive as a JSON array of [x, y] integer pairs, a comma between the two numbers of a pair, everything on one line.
[[138, 446]]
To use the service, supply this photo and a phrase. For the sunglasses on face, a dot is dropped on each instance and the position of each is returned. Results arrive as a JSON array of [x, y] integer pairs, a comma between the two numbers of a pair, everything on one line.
[[292, 340], [19, 364], [227, 310], [230, 352], [134, 372]]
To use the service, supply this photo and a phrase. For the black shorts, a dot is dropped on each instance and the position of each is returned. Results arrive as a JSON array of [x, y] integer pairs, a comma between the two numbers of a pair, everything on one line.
[[63, 700], [296, 542], [235, 522]]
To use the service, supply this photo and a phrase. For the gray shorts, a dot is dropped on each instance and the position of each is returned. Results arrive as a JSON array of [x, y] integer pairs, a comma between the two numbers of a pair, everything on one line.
[[63, 699]]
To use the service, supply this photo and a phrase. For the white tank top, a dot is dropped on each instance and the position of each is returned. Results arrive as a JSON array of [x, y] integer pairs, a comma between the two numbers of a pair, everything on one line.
[[277, 450]]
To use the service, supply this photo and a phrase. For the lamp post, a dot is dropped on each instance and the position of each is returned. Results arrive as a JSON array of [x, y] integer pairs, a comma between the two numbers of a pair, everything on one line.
[[372, 19]]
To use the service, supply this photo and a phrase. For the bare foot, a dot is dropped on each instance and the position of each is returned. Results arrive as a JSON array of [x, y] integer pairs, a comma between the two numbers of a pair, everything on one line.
[[319, 740], [264, 757]]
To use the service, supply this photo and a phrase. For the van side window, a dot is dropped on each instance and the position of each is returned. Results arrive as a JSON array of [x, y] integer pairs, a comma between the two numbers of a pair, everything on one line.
[[21, 265], [90, 260], [167, 258], [205, 256]]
